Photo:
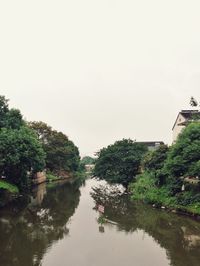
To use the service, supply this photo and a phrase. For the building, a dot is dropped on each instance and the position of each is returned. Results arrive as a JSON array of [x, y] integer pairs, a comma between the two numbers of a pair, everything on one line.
[[39, 178], [152, 145], [89, 168], [183, 118]]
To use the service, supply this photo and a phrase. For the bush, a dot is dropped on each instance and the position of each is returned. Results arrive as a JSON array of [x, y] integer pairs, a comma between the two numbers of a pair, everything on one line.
[[174, 185], [145, 189], [187, 198]]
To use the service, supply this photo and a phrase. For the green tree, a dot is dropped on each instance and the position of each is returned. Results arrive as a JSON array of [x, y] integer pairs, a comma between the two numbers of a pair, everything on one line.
[[61, 153], [184, 155], [3, 105], [14, 119], [42, 130], [120, 162], [155, 160], [9, 118], [87, 160], [3, 110], [21, 155]]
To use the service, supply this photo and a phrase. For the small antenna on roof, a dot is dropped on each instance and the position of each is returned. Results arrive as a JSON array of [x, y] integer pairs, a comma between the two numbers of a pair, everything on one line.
[[193, 102]]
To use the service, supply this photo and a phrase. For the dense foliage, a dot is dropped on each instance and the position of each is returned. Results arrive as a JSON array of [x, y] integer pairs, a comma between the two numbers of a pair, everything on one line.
[[27, 148], [62, 156], [154, 160], [184, 156], [21, 154], [87, 160], [173, 168], [9, 118], [120, 162]]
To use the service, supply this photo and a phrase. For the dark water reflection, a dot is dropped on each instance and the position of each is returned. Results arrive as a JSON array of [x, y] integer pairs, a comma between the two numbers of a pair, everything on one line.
[[30, 226], [178, 235], [59, 226]]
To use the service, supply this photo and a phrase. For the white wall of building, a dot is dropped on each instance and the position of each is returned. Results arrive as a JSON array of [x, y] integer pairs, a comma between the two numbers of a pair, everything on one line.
[[178, 128]]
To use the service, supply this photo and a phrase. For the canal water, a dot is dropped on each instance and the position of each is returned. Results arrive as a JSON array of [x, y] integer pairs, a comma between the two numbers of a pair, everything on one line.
[[59, 225]]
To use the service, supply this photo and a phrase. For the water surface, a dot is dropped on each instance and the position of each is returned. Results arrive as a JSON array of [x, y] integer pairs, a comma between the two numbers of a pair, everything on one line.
[[59, 225]]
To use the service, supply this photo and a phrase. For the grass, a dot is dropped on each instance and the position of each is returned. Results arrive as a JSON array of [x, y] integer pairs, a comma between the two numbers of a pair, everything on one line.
[[144, 189], [10, 187], [193, 208], [51, 177]]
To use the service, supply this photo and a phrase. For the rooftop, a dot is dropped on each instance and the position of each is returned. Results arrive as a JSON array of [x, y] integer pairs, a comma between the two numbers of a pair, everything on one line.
[[187, 114], [151, 143]]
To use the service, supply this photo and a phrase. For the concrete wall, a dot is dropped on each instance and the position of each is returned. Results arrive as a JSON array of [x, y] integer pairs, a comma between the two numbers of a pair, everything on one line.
[[39, 178], [177, 128]]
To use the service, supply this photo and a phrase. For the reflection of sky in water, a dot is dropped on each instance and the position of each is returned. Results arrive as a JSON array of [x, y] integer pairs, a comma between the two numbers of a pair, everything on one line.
[[61, 226], [86, 246]]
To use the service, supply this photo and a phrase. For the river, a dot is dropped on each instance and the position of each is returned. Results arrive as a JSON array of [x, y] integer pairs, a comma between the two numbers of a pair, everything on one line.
[[59, 225]]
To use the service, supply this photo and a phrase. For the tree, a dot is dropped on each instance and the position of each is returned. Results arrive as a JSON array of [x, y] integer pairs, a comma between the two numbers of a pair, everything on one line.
[[155, 160], [42, 130], [87, 160], [120, 162], [3, 110], [14, 119], [184, 155], [21, 155], [9, 118], [61, 153]]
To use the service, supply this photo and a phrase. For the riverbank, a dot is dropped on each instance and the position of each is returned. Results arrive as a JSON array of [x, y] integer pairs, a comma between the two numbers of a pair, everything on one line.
[[146, 191], [10, 192], [9, 187], [51, 177]]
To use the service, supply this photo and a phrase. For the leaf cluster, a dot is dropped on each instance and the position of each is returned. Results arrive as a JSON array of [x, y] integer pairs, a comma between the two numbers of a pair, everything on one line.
[[61, 153], [184, 155], [120, 162], [21, 154]]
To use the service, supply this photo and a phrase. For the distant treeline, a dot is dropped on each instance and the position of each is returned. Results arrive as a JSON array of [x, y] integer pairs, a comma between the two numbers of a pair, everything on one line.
[[29, 147]]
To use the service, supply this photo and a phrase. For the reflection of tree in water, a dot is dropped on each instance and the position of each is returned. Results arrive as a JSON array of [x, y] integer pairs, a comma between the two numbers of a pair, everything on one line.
[[117, 208], [27, 233], [178, 235]]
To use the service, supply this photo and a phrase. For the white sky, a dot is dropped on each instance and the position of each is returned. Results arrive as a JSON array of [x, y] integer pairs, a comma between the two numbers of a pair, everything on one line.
[[101, 70]]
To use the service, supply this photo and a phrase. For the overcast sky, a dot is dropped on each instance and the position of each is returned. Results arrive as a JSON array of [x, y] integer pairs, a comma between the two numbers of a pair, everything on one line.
[[101, 70]]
